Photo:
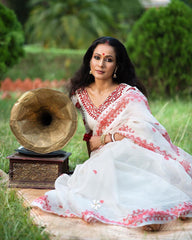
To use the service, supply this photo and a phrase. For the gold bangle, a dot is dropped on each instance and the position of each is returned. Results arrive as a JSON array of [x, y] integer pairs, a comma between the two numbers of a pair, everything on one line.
[[110, 135], [103, 139]]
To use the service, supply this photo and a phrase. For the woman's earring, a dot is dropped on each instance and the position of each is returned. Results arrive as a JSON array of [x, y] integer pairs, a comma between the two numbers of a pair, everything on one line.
[[114, 74], [90, 72]]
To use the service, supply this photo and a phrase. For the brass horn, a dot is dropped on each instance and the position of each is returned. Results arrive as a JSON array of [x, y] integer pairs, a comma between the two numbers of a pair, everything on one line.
[[43, 120]]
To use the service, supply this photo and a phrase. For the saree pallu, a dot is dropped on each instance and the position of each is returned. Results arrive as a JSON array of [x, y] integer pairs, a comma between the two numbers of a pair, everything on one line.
[[142, 179]]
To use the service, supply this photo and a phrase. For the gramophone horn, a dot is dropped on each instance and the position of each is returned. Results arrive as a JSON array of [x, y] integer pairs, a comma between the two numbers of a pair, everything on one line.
[[43, 120]]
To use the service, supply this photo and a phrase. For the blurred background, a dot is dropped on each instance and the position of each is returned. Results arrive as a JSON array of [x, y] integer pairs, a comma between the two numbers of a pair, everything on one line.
[[44, 41]]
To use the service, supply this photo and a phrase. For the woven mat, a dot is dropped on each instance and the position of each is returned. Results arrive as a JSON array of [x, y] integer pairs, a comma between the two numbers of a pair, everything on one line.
[[76, 229]]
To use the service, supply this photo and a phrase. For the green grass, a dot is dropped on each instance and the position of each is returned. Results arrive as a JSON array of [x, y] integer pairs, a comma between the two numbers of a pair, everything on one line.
[[15, 222], [176, 117], [47, 64]]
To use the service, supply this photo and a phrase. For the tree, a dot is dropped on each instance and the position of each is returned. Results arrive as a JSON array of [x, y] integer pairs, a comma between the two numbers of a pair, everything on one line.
[[21, 9], [188, 2], [160, 45], [125, 13], [11, 39], [75, 23], [69, 23]]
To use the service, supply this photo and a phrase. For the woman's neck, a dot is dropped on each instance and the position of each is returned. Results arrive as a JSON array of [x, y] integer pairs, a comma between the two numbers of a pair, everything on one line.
[[102, 87]]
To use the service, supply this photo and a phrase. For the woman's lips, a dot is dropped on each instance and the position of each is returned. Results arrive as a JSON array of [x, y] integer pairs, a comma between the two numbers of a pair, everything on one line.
[[99, 72]]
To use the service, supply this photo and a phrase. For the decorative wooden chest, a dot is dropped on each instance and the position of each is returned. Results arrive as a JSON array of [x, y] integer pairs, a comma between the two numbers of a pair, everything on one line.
[[36, 172]]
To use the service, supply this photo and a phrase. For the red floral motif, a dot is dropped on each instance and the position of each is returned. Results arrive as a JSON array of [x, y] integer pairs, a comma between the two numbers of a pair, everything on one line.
[[142, 216], [44, 202], [186, 165], [154, 130], [95, 171], [175, 148], [126, 129], [149, 146], [136, 218], [91, 109], [109, 117], [166, 157]]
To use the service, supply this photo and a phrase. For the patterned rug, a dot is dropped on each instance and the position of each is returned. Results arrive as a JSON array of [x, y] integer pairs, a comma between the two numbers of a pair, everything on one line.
[[76, 229]]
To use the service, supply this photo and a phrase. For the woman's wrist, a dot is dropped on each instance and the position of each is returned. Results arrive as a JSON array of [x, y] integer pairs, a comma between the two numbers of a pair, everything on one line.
[[102, 139], [108, 138]]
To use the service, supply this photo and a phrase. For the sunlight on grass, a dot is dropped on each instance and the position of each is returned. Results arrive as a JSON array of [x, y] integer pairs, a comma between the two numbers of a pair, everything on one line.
[[77, 146], [176, 117], [15, 222]]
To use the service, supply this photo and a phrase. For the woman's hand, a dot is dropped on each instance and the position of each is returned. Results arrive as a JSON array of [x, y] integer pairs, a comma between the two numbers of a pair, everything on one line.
[[95, 141]]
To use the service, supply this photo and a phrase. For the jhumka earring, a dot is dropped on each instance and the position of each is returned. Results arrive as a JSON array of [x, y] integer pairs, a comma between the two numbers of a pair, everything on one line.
[[114, 74], [90, 72]]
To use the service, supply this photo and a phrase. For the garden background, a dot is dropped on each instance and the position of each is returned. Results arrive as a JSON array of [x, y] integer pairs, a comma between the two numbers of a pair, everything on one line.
[[42, 44]]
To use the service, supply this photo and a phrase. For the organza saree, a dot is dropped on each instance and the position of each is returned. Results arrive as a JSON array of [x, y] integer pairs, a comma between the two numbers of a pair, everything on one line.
[[140, 180]]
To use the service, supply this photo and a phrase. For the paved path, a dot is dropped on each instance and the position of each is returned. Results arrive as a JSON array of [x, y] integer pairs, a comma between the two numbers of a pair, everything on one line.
[[77, 229]]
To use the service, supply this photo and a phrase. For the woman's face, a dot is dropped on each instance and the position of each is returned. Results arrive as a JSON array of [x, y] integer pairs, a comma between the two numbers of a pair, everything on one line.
[[103, 62]]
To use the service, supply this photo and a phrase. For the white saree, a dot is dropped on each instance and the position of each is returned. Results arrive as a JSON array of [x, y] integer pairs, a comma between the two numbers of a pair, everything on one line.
[[142, 179]]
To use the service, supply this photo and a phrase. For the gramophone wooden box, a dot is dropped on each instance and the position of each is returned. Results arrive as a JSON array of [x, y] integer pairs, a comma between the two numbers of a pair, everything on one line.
[[36, 172]]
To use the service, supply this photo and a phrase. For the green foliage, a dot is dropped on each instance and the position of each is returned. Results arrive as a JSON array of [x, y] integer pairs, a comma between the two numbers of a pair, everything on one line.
[[76, 23], [20, 8], [11, 39], [188, 2], [14, 219], [70, 23], [47, 64], [160, 46], [125, 13]]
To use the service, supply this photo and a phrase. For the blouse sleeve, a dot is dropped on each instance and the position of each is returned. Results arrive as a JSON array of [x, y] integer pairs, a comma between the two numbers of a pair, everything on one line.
[[75, 101]]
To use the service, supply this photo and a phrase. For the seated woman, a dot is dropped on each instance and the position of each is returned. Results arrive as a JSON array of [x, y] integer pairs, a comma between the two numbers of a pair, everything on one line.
[[135, 176]]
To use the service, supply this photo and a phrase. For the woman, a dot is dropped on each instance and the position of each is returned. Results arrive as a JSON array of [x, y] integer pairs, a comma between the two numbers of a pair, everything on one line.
[[135, 176]]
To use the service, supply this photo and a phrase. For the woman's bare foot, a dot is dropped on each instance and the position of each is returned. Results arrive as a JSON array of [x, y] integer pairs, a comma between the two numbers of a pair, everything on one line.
[[152, 227], [183, 218]]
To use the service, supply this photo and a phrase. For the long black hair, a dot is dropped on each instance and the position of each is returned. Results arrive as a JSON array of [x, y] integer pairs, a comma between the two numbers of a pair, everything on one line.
[[125, 71]]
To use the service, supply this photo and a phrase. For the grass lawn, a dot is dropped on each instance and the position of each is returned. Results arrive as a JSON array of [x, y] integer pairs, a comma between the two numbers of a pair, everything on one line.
[[15, 223]]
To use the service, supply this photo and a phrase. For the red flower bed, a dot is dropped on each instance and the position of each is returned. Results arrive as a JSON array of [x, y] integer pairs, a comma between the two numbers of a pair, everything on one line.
[[28, 84]]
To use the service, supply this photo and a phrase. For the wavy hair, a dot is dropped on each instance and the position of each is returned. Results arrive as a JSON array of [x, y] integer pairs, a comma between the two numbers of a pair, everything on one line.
[[125, 71]]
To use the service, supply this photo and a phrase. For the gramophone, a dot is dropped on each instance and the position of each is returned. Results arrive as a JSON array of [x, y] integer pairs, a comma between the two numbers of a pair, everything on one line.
[[43, 121]]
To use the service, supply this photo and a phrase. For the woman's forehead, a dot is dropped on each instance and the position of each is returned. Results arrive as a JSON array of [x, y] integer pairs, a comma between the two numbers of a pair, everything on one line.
[[104, 49]]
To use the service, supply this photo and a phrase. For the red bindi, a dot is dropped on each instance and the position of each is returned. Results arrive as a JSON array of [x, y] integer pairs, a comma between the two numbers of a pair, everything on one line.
[[103, 54]]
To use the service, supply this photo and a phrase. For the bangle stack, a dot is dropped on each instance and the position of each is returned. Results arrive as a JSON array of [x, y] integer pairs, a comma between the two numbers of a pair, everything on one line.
[[113, 137], [103, 139]]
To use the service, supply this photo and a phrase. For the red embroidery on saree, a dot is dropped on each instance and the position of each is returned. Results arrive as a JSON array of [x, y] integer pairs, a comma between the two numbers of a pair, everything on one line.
[[110, 116], [91, 109], [186, 165], [44, 202], [142, 216]]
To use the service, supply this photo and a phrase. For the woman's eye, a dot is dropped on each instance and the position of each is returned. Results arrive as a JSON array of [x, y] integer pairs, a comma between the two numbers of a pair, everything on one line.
[[108, 60], [97, 57]]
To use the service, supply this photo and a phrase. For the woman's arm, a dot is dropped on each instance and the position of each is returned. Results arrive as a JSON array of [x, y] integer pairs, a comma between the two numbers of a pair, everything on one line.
[[96, 141]]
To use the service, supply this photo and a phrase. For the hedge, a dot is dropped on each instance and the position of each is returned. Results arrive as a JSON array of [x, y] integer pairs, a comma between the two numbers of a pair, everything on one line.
[[47, 64], [160, 45]]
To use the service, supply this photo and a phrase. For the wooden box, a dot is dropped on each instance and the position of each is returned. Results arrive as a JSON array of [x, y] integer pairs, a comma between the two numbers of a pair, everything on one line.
[[36, 172]]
